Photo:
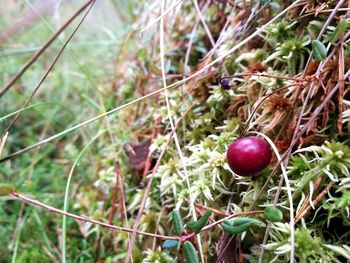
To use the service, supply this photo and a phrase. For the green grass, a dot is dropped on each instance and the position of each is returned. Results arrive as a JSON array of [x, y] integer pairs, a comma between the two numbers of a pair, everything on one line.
[[78, 87]]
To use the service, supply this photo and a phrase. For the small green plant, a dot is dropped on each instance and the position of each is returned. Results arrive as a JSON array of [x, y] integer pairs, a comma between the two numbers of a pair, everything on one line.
[[190, 252], [308, 246], [273, 214], [196, 226], [239, 225], [338, 207], [319, 51], [177, 222]]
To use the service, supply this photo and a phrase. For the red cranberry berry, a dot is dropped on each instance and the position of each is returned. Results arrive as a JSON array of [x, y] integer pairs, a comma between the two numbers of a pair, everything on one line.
[[249, 155], [225, 83]]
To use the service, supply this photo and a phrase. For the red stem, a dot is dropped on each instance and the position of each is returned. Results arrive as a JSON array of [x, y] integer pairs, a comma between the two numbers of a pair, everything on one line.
[[87, 219], [115, 193]]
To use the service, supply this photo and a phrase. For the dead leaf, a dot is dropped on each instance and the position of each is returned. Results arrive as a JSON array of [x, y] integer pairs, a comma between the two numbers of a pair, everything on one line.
[[137, 154]]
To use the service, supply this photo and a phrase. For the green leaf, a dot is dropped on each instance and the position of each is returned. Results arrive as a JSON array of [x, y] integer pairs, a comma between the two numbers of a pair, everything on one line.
[[142, 53], [169, 243], [314, 28], [238, 226], [196, 226], [242, 220], [273, 214], [6, 189], [177, 222], [319, 51], [339, 30], [190, 253]]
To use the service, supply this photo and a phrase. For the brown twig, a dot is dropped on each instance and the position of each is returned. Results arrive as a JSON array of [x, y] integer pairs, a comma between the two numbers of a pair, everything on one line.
[[299, 85], [215, 211], [296, 132], [341, 63], [315, 14], [306, 201], [115, 193], [314, 203], [318, 109], [183, 238], [122, 206], [87, 219]]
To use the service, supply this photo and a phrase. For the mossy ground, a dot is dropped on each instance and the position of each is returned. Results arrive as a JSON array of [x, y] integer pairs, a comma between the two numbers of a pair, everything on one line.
[[277, 89]]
